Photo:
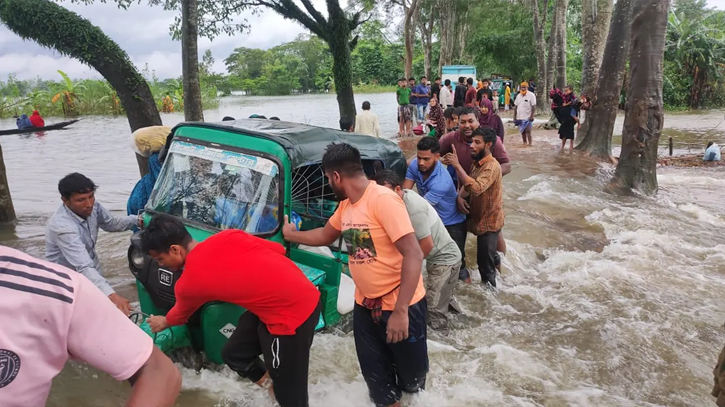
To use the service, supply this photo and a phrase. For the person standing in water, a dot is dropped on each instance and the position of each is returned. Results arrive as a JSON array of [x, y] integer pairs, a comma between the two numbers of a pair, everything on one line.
[[436, 186], [524, 108], [282, 305], [72, 233], [442, 257], [49, 313], [483, 189], [367, 122], [405, 124], [462, 139], [385, 258]]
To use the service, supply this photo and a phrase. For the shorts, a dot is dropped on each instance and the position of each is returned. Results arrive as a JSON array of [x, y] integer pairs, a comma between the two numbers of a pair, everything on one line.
[[404, 113], [286, 357], [390, 369]]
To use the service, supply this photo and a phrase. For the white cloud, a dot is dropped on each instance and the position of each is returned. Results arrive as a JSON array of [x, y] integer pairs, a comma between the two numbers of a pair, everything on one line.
[[143, 32], [29, 66]]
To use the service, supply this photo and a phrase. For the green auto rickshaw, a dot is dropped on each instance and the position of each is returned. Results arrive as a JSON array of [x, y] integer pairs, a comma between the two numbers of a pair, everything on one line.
[[246, 174]]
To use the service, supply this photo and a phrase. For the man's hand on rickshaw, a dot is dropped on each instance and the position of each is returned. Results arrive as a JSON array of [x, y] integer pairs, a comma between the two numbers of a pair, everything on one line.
[[120, 303], [157, 323], [288, 227]]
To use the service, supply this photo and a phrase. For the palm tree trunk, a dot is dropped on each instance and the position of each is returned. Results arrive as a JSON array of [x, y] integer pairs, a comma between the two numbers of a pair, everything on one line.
[[552, 50], [447, 23], [539, 25], [561, 6], [598, 127], [426, 38], [596, 15], [193, 111], [409, 33], [342, 72], [7, 210], [637, 167]]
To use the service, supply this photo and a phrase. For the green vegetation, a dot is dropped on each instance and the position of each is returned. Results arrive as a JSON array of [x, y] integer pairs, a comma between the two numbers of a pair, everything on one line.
[[500, 35], [694, 68], [305, 66], [694, 57], [88, 96]]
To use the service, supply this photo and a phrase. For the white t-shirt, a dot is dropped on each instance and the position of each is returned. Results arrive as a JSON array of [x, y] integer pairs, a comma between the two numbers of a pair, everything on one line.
[[525, 105], [446, 97]]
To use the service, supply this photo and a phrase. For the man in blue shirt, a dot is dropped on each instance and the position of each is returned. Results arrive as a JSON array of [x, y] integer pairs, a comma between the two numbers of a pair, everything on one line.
[[422, 96], [70, 239], [436, 186]]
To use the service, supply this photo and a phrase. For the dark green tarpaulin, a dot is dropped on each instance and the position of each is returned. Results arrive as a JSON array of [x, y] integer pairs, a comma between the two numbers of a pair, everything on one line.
[[306, 144]]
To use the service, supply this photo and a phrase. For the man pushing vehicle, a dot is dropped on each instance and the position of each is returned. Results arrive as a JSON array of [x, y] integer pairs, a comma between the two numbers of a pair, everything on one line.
[[283, 306]]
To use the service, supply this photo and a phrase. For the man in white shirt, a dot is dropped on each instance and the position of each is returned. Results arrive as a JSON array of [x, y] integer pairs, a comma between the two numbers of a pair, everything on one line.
[[524, 107], [367, 122], [446, 98]]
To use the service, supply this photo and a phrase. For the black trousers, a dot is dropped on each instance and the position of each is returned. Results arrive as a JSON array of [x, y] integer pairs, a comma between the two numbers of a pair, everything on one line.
[[458, 233], [487, 257], [286, 357], [389, 369]]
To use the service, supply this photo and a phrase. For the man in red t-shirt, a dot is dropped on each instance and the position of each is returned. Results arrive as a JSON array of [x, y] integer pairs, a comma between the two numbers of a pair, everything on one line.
[[283, 306], [470, 94]]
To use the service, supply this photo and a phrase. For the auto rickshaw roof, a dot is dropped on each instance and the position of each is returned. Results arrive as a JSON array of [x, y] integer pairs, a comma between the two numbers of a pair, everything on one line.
[[306, 144]]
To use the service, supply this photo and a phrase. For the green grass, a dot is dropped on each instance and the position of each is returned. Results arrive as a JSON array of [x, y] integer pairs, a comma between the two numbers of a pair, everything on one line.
[[374, 88]]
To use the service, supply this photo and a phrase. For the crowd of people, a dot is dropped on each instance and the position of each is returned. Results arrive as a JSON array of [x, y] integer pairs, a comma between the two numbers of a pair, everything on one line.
[[389, 229], [394, 306]]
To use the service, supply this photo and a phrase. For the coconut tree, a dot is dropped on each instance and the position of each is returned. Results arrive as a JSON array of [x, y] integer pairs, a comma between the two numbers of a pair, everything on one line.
[[698, 50]]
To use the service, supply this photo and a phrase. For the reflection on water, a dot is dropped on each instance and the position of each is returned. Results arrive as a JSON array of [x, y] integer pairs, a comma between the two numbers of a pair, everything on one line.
[[604, 301]]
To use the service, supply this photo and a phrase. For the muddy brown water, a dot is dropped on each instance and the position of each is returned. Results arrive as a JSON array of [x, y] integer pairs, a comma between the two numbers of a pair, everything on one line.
[[604, 300]]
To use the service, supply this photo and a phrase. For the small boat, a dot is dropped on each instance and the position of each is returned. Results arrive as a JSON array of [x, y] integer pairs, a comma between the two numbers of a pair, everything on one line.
[[56, 126]]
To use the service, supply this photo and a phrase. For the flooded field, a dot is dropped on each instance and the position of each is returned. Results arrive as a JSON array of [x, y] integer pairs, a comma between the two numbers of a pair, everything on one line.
[[603, 301]]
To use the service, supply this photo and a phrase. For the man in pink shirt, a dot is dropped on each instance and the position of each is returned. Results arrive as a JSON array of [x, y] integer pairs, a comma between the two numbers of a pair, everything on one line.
[[49, 313]]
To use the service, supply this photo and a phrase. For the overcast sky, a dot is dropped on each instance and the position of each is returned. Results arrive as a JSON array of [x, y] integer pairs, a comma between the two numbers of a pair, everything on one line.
[[143, 31]]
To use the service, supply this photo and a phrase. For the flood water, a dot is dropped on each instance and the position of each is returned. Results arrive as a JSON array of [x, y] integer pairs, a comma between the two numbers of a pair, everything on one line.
[[603, 301]]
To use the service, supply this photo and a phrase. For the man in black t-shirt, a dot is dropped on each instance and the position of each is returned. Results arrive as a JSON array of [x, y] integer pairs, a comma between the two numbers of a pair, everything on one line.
[[459, 97], [485, 90], [435, 89]]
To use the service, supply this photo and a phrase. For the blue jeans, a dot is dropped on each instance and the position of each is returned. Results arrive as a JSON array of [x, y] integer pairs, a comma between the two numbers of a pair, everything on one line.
[[421, 112]]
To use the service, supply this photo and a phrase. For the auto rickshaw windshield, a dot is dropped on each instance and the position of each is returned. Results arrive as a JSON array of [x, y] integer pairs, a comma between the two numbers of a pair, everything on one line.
[[218, 188]]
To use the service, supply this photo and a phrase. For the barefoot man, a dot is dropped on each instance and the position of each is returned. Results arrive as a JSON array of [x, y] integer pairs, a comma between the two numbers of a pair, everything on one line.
[[524, 107], [283, 306], [385, 262]]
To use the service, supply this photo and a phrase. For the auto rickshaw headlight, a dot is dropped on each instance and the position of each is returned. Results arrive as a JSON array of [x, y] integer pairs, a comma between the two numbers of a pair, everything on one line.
[[137, 258]]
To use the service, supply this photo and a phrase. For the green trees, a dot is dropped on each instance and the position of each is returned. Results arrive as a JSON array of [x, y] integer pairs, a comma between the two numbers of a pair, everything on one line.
[[303, 65], [337, 31], [695, 56]]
